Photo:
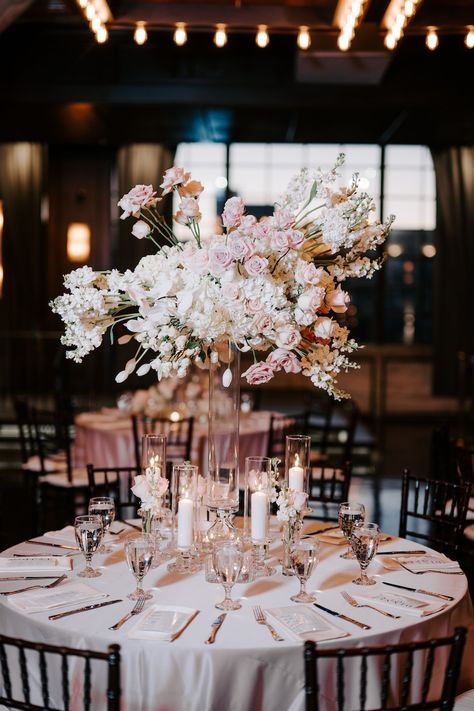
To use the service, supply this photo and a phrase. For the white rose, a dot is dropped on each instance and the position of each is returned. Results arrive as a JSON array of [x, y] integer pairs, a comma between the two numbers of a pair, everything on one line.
[[141, 229], [323, 328]]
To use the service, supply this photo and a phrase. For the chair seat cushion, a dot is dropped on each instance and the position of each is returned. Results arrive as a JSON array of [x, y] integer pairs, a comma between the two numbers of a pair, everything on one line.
[[469, 533], [465, 702], [79, 479], [51, 464]]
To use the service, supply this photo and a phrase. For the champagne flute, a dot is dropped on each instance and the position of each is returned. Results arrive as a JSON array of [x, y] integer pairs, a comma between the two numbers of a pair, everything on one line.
[[350, 513], [89, 532], [227, 560], [103, 506], [365, 541], [139, 553], [304, 556]]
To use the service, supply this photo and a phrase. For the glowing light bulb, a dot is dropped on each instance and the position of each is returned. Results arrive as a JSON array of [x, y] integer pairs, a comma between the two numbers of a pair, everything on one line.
[[220, 36], [343, 42], [262, 39], [409, 8], [304, 38], [140, 35], [96, 24], [90, 12], [432, 39], [390, 41], [469, 39], [102, 35], [180, 35], [83, 3]]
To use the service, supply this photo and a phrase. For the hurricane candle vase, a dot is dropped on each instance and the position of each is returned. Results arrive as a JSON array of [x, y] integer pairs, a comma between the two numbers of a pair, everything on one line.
[[222, 491], [184, 504], [257, 488], [153, 468], [297, 459]]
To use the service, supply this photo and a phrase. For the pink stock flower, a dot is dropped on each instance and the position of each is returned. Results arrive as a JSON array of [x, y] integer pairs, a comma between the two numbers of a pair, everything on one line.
[[172, 178], [220, 259], [192, 189], [132, 201], [337, 300], [259, 373], [233, 212], [282, 358], [256, 265]]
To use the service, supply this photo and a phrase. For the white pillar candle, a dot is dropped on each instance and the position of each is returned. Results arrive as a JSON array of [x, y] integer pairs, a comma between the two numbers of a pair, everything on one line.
[[185, 523], [259, 503], [296, 478]]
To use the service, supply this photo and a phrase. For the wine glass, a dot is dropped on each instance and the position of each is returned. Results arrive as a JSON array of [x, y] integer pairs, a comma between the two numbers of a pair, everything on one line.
[[89, 532], [304, 556], [139, 553], [227, 560], [365, 541], [350, 513], [103, 506]]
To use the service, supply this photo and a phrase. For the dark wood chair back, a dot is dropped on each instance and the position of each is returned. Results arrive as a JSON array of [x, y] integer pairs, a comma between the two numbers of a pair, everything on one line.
[[328, 488], [392, 668], [24, 423], [439, 506], [52, 436], [280, 427], [116, 482], [332, 430], [37, 664], [179, 436]]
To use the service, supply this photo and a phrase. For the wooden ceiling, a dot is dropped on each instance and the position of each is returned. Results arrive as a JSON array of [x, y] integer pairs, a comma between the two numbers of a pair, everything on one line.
[[65, 88]]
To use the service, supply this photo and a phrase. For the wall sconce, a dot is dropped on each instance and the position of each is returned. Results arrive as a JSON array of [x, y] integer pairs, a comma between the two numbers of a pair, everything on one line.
[[78, 242], [1, 248]]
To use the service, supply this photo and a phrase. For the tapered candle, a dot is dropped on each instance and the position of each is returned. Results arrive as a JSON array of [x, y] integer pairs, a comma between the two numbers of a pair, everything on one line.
[[259, 503], [185, 523]]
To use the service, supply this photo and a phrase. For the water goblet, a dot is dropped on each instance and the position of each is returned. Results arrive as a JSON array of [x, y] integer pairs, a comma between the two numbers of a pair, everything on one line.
[[365, 541], [227, 561], [103, 506], [89, 531], [304, 556], [350, 513], [139, 554]]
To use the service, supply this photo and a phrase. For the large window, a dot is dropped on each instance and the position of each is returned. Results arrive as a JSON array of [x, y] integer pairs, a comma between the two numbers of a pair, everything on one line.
[[259, 172]]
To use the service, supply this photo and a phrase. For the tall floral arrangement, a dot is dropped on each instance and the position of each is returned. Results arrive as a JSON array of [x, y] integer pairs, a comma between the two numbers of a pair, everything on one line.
[[273, 286]]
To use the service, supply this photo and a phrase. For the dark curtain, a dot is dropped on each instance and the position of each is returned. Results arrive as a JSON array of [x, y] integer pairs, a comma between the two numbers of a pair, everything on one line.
[[138, 164], [454, 264]]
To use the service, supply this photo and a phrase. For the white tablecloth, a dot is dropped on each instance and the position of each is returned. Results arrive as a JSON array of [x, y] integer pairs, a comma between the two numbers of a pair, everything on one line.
[[245, 670], [106, 441]]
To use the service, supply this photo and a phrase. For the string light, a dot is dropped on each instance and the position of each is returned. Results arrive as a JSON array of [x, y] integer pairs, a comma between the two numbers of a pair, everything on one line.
[[349, 18], [304, 38], [396, 18], [90, 12], [140, 35], [432, 39], [469, 38], [83, 3], [180, 35], [96, 24], [262, 39], [102, 35], [220, 36], [343, 43]]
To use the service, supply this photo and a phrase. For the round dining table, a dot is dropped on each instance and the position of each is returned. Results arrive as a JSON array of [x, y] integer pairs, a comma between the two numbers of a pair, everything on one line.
[[245, 669]]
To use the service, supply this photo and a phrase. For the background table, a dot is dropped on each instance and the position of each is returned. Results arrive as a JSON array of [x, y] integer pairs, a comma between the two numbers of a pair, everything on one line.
[[245, 670]]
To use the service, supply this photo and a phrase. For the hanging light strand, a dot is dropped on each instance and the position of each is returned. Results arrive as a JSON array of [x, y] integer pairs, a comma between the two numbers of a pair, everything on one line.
[[349, 17], [262, 38], [220, 36], [397, 16], [432, 39], [304, 38], [180, 36], [140, 35]]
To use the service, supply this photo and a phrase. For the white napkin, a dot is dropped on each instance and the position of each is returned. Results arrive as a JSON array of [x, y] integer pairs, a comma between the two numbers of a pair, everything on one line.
[[43, 564], [336, 537], [405, 604], [161, 622], [68, 536], [419, 562], [40, 600], [300, 622]]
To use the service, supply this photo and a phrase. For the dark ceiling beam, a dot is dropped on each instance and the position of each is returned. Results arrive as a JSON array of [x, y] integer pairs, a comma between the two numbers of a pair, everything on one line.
[[11, 10]]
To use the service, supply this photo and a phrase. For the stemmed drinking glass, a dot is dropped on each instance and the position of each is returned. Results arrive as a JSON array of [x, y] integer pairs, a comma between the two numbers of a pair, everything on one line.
[[89, 532], [304, 556], [350, 513], [365, 541], [227, 561], [103, 506], [139, 553]]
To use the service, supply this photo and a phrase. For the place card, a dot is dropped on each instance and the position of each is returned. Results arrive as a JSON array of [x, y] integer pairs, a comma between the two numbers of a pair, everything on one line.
[[161, 622], [300, 622], [40, 600], [429, 561], [43, 564], [405, 604]]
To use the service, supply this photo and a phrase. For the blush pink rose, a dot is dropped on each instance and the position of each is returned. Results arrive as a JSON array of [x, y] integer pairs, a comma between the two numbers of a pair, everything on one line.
[[295, 239], [139, 196], [282, 219], [311, 299], [307, 273], [231, 291], [192, 189], [259, 373], [174, 177], [279, 240], [282, 358], [233, 212], [188, 211], [337, 300], [240, 247], [220, 259], [288, 337], [256, 265], [197, 262], [262, 323], [254, 306]]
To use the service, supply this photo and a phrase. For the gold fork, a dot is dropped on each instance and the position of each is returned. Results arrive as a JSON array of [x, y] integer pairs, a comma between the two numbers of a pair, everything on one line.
[[136, 609], [262, 620], [34, 587], [352, 601]]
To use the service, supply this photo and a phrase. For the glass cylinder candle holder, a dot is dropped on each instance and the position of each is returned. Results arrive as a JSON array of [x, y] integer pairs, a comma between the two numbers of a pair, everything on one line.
[[154, 454], [257, 490], [297, 458], [184, 500]]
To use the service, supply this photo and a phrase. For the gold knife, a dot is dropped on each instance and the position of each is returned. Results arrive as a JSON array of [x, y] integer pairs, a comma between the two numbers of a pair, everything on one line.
[[216, 625], [29, 577], [180, 632], [82, 609], [53, 545]]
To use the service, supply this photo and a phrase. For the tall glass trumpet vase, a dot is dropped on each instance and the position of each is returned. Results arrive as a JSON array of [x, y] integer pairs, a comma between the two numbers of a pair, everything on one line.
[[153, 466], [184, 494], [222, 495], [257, 486]]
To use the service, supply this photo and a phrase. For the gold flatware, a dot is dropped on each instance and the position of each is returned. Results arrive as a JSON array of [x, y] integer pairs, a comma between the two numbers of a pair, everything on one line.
[[34, 587], [261, 619], [352, 601], [60, 615], [362, 625], [216, 625], [180, 632], [449, 598], [52, 545], [29, 577], [422, 572], [418, 552], [138, 607]]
